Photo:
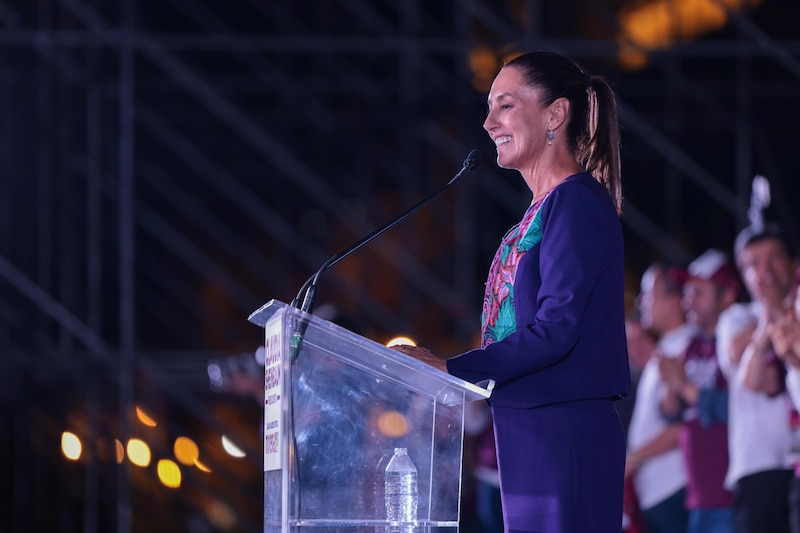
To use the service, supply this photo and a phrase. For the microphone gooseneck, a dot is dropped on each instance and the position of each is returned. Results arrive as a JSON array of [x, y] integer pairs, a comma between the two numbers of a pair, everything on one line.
[[305, 297]]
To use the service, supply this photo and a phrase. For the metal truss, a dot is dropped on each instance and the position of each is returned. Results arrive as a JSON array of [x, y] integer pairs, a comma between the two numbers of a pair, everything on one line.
[[166, 167]]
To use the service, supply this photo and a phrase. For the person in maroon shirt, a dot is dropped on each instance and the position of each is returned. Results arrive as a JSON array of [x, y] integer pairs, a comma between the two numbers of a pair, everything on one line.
[[697, 394]]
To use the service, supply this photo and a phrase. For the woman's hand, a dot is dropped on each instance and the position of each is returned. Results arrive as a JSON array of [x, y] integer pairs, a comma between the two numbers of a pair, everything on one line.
[[422, 354]]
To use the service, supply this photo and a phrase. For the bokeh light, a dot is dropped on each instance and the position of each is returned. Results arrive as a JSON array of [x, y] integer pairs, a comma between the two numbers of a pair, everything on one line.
[[221, 515], [186, 451], [202, 467], [120, 451], [392, 424], [661, 24], [144, 418], [232, 449], [169, 473], [396, 341], [71, 446], [138, 452]]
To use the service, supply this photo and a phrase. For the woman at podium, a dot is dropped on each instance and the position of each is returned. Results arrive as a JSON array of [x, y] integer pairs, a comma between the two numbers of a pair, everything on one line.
[[553, 313]]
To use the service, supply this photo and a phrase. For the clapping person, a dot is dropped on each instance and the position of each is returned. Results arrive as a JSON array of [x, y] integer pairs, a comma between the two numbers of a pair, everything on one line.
[[696, 394], [760, 459]]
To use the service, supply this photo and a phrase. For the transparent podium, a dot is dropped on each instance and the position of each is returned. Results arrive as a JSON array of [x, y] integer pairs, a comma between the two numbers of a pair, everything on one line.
[[336, 407]]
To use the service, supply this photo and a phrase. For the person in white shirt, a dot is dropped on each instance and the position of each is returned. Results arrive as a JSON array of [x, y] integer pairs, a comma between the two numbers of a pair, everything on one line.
[[654, 460], [784, 334], [759, 470]]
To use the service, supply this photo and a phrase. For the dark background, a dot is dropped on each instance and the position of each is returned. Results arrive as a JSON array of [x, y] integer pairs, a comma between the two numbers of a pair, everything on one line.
[[168, 166]]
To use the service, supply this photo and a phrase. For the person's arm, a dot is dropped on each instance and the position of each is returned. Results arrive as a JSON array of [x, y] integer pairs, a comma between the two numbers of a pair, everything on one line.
[[759, 371], [574, 248], [671, 405], [422, 354], [665, 441], [734, 329], [679, 391], [764, 371], [785, 337], [689, 393], [738, 344], [793, 385]]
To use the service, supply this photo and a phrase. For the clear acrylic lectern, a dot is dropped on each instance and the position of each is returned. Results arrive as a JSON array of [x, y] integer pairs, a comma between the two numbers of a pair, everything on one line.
[[335, 408]]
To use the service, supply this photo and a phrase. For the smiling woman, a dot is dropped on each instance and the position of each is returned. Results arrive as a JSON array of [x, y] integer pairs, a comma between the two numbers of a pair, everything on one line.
[[526, 115], [553, 311]]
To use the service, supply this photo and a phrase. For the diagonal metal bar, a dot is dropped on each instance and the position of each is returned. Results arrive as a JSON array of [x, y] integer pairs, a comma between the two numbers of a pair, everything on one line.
[[179, 313], [678, 158], [488, 17], [274, 224], [229, 187], [780, 53], [258, 211], [291, 166], [53, 308], [639, 223], [226, 237], [368, 17], [334, 45], [263, 71], [97, 346], [185, 250]]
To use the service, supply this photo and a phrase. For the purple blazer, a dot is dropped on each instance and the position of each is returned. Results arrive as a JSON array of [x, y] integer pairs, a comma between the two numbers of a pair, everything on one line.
[[569, 343]]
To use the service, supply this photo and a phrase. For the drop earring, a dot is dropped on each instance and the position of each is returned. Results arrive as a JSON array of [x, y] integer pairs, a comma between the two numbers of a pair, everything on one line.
[[550, 135]]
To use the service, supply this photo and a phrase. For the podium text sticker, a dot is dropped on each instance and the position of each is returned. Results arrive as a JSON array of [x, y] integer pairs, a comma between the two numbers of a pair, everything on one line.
[[273, 387]]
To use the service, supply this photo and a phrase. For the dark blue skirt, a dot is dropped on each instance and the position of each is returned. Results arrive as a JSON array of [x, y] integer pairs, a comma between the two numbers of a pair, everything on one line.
[[561, 467]]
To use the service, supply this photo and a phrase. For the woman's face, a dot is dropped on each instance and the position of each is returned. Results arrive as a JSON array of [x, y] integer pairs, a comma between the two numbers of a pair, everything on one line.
[[517, 121]]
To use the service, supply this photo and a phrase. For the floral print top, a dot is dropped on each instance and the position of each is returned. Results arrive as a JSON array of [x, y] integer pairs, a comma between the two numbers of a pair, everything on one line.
[[498, 319]]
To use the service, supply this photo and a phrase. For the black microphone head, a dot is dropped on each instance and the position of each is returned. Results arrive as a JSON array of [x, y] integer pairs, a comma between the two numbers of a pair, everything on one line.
[[472, 159]]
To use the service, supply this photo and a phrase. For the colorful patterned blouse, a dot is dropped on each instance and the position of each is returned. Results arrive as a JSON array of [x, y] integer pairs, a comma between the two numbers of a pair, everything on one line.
[[498, 319]]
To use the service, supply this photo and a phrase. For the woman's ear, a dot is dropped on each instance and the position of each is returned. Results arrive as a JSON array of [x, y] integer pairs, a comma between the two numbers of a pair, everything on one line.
[[559, 111]]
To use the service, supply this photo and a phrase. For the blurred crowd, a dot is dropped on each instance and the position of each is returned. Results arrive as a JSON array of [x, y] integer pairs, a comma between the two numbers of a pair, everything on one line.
[[713, 428]]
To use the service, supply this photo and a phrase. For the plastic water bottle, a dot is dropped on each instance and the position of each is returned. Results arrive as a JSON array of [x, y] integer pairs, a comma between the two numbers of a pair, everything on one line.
[[400, 488]]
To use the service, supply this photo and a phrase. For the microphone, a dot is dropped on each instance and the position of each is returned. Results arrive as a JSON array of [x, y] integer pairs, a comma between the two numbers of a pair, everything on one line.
[[305, 297]]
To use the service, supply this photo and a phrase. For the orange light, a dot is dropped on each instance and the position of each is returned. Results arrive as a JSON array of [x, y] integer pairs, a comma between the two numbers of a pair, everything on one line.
[[120, 451], [392, 424], [186, 451], [200, 466], [221, 515], [484, 64], [144, 418], [660, 24]]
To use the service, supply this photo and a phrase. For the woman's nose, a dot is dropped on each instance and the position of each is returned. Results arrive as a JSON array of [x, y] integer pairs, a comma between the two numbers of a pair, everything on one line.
[[489, 123]]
